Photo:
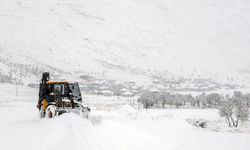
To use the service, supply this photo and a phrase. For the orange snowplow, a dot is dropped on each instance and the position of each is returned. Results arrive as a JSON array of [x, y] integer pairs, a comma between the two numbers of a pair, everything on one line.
[[58, 97]]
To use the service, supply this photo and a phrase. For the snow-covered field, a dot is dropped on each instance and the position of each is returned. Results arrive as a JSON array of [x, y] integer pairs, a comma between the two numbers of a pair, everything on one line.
[[113, 125]]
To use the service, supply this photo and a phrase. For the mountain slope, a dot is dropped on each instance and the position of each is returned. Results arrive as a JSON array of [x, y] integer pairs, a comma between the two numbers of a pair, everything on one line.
[[190, 39]]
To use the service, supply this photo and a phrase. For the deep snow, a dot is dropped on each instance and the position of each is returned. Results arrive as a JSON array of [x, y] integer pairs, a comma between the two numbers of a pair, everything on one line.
[[113, 125]]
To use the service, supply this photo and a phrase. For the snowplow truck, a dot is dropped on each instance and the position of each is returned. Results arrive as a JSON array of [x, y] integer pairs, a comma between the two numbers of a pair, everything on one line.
[[59, 97]]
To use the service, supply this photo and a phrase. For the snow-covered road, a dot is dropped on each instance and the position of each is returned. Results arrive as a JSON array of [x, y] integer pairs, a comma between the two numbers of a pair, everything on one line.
[[113, 125], [21, 128]]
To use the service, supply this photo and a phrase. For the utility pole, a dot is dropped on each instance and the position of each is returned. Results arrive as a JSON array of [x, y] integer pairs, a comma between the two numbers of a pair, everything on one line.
[[16, 82], [133, 102], [16, 88], [18, 75], [138, 102]]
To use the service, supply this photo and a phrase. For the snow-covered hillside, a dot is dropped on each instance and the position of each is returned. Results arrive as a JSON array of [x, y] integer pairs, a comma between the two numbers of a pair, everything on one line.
[[127, 39]]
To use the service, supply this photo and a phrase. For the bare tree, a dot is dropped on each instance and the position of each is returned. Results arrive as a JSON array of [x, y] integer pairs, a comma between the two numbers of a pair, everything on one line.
[[213, 99], [163, 98], [226, 110], [234, 109], [146, 99], [248, 99], [241, 109]]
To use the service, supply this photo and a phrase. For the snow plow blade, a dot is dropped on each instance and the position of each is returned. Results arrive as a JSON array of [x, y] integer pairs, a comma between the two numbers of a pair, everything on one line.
[[54, 111], [80, 110]]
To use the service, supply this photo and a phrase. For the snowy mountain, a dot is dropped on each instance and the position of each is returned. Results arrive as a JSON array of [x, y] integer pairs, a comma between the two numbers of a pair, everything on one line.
[[173, 41]]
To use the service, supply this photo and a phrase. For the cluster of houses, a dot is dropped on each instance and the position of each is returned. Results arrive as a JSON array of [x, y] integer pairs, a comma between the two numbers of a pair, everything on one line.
[[94, 86]]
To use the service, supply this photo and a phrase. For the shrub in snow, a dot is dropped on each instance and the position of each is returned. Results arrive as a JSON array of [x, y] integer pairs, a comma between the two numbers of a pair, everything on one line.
[[198, 123], [234, 109]]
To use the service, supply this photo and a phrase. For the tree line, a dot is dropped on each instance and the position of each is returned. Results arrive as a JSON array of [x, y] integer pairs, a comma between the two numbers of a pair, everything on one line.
[[234, 108]]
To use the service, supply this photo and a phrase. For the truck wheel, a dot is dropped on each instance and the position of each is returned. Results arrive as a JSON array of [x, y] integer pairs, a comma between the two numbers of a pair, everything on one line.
[[51, 111]]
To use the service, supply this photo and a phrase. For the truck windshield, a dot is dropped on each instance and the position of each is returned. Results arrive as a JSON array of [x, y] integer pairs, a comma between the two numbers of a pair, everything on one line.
[[59, 89]]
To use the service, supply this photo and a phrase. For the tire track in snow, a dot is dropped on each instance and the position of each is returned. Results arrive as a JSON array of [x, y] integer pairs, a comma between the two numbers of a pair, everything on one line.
[[80, 134], [109, 135]]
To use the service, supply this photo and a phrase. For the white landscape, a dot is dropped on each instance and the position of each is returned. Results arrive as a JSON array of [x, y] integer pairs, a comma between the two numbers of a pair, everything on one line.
[[156, 74], [113, 124]]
